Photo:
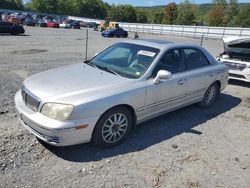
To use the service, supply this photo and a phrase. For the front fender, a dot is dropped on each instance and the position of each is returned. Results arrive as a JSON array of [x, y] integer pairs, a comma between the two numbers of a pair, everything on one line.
[[134, 98]]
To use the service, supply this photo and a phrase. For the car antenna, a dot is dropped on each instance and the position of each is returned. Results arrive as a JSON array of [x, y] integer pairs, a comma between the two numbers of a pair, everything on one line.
[[86, 44]]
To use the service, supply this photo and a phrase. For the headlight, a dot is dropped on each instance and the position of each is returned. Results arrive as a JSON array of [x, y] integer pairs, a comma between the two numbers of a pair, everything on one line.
[[57, 111]]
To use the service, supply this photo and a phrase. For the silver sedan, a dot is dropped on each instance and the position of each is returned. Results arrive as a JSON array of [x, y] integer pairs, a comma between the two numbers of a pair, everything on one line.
[[102, 99]]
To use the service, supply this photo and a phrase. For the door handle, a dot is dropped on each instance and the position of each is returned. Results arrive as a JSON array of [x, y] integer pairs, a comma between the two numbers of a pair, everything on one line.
[[181, 81], [211, 74]]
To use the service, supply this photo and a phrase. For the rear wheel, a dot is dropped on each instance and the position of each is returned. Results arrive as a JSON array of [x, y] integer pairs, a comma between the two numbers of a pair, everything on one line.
[[210, 96], [113, 127]]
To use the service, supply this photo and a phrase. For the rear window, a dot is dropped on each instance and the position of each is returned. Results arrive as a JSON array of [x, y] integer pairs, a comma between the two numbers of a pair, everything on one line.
[[194, 59]]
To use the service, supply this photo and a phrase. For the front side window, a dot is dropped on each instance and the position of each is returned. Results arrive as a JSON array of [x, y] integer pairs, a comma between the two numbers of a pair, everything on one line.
[[194, 59], [170, 61], [127, 60]]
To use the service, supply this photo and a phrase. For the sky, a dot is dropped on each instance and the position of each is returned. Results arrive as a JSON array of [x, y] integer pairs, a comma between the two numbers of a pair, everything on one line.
[[158, 2]]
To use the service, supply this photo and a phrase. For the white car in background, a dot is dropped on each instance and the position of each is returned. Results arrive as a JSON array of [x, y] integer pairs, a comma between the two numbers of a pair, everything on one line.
[[65, 25], [236, 56]]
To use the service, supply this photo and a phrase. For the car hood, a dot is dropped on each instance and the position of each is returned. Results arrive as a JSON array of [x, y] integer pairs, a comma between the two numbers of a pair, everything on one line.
[[68, 83], [237, 47]]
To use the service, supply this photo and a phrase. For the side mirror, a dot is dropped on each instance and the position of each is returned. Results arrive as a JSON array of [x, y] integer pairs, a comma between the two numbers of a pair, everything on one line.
[[162, 75]]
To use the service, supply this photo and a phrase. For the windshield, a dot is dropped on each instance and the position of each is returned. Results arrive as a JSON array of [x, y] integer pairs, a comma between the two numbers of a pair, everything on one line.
[[127, 60]]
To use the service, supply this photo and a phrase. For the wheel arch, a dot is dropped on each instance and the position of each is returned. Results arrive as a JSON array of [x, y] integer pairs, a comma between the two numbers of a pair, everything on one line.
[[127, 106], [218, 84]]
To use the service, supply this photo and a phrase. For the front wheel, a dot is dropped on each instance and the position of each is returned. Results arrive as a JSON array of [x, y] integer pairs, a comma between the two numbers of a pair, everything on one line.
[[113, 127], [210, 96]]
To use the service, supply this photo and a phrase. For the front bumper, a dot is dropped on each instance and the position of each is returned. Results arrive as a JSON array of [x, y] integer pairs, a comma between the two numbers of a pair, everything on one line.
[[238, 70], [243, 75], [54, 132]]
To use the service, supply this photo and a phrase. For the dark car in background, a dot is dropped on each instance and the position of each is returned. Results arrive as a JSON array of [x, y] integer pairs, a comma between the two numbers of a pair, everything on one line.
[[14, 29], [75, 24], [29, 22], [1, 13], [116, 32], [91, 24]]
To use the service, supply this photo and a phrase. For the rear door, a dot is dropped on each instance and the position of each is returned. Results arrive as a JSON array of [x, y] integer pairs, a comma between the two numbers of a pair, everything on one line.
[[200, 73]]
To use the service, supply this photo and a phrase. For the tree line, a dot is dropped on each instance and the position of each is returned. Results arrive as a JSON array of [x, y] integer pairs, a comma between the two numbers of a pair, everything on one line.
[[219, 13]]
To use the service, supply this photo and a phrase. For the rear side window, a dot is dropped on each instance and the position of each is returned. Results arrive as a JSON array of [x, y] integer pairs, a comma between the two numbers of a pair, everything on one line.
[[194, 58]]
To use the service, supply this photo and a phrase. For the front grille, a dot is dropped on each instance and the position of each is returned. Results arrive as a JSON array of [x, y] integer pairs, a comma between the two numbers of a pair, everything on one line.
[[235, 66], [29, 99], [237, 76]]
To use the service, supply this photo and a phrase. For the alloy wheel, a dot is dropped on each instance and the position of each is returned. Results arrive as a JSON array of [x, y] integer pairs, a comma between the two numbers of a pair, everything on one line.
[[210, 94], [114, 128]]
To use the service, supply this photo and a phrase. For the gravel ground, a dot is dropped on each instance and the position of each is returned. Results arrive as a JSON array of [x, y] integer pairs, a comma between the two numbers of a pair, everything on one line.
[[191, 147]]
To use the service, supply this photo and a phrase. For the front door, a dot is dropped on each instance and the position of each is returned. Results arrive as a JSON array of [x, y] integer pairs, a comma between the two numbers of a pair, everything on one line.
[[167, 94]]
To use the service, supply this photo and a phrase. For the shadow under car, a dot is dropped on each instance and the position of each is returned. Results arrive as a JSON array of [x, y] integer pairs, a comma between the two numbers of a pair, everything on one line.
[[151, 132]]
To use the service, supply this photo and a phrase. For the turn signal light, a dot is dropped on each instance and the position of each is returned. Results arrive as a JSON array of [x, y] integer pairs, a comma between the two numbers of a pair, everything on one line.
[[81, 126]]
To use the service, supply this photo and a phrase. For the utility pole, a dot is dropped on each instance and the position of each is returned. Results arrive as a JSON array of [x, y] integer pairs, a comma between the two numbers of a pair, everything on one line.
[[86, 47]]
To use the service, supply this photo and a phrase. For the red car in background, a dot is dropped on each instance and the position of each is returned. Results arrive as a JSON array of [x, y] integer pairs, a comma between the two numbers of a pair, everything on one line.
[[53, 24]]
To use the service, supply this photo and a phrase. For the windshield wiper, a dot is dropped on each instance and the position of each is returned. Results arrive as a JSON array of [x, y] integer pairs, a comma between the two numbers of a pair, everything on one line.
[[90, 64], [109, 70], [101, 67]]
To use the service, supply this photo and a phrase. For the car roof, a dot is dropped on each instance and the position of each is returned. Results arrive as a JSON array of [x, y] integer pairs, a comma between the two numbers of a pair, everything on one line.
[[158, 41], [160, 44]]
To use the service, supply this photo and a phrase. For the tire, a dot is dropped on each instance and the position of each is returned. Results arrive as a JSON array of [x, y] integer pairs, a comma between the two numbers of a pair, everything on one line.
[[112, 128], [210, 96]]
